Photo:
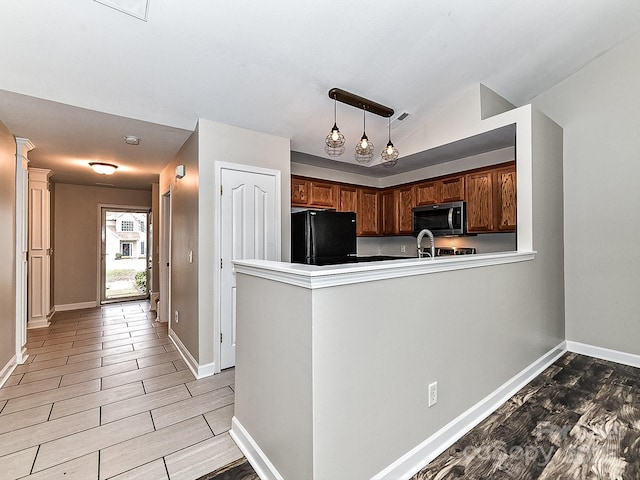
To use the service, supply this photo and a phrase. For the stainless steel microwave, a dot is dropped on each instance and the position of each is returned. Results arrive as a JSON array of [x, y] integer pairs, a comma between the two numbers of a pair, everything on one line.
[[442, 219]]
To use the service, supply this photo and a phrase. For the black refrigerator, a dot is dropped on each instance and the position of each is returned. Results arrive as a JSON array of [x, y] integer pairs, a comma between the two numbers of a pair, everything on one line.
[[323, 237]]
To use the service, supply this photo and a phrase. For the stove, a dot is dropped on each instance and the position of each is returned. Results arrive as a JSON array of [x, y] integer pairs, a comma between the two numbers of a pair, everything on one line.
[[445, 251]]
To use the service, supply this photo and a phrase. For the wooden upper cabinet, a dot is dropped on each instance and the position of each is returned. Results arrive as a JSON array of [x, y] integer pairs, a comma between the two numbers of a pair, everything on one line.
[[428, 193], [347, 198], [506, 204], [479, 197], [406, 202], [368, 212], [323, 194], [299, 191], [490, 194], [452, 189], [389, 211]]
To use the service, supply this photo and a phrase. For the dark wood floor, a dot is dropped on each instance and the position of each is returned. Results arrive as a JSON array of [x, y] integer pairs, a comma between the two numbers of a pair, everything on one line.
[[579, 419]]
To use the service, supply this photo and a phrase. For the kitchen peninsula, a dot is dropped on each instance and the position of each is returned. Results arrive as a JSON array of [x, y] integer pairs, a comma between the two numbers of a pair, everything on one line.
[[333, 363]]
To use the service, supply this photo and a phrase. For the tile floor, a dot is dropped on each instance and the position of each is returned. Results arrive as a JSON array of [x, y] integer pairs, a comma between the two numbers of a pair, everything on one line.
[[104, 394]]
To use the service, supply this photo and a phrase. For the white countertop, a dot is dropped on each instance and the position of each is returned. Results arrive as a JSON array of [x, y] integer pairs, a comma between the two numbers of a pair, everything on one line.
[[313, 276]]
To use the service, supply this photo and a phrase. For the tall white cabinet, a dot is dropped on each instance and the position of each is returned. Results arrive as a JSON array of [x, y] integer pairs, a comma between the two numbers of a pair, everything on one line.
[[39, 292]]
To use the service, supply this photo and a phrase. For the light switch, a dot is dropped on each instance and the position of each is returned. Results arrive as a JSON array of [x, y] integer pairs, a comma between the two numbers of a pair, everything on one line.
[[190, 256]]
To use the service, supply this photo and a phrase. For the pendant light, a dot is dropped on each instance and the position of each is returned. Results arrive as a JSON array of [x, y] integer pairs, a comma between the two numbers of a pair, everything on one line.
[[364, 148], [390, 153], [334, 143]]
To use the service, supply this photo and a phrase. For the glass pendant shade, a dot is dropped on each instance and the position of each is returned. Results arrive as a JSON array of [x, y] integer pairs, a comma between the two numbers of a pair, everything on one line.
[[334, 143], [390, 153], [364, 148]]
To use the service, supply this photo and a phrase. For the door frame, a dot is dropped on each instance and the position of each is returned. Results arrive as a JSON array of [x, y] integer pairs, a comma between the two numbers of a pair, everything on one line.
[[217, 212], [23, 147], [164, 260], [100, 255]]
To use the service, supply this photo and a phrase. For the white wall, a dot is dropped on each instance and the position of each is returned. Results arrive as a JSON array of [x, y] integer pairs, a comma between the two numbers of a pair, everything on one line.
[[193, 204], [225, 143], [377, 345], [598, 108], [185, 226], [76, 239], [485, 243]]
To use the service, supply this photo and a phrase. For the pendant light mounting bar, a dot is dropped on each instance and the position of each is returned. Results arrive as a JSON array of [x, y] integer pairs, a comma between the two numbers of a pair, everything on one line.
[[360, 102]]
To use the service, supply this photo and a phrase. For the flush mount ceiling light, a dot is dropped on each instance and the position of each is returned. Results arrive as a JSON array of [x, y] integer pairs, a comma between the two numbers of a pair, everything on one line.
[[131, 140], [334, 143], [364, 148], [103, 168], [390, 153]]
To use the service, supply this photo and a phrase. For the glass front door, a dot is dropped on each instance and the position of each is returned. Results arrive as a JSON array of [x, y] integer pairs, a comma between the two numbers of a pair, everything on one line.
[[124, 256]]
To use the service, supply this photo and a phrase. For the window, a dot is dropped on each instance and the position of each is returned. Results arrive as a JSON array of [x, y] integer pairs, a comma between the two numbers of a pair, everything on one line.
[[126, 226], [125, 249], [141, 247]]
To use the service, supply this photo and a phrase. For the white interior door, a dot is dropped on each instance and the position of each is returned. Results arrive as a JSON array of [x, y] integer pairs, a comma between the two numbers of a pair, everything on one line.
[[250, 226]]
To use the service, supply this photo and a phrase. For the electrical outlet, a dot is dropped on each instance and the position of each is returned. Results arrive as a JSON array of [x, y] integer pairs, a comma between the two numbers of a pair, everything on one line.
[[433, 393], [403, 249], [176, 317]]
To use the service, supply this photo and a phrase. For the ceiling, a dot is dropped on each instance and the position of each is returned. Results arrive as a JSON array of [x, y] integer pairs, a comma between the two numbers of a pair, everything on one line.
[[77, 75]]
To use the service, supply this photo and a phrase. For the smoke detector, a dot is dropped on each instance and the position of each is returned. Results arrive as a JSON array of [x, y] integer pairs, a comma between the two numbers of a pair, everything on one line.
[[131, 140]]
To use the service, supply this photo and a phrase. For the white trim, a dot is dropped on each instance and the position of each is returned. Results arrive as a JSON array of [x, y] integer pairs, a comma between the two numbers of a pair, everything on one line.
[[39, 323], [165, 264], [8, 369], [75, 306], [247, 445], [416, 459], [23, 147], [217, 244], [616, 356], [198, 371], [153, 300], [312, 277]]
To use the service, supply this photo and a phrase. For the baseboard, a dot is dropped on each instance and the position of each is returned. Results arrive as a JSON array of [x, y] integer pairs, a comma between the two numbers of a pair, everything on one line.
[[416, 459], [199, 371], [42, 323], [75, 306], [256, 457], [21, 356], [630, 359], [7, 370], [153, 301]]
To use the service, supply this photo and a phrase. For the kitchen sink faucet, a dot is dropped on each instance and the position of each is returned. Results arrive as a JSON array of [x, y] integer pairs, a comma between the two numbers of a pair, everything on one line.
[[421, 252]]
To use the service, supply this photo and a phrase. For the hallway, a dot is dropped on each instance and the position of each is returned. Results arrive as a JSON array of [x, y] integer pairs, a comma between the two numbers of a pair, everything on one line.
[[104, 394]]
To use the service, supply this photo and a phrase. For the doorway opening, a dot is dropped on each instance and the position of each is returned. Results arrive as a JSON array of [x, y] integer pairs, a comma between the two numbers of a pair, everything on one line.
[[125, 263]]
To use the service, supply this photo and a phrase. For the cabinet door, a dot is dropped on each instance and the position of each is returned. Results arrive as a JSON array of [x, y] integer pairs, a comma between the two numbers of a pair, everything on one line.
[[299, 191], [347, 199], [406, 202], [389, 206], [452, 189], [427, 193], [479, 196], [368, 213], [506, 208], [323, 194]]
